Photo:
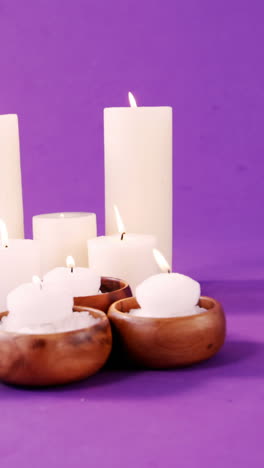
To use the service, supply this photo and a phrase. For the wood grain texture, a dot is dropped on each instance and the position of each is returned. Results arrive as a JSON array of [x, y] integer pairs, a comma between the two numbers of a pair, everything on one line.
[[113, 289], [167, 342], [54, 359]]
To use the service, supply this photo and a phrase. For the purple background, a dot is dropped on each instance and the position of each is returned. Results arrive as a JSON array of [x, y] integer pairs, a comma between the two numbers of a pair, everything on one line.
[[61, 63]]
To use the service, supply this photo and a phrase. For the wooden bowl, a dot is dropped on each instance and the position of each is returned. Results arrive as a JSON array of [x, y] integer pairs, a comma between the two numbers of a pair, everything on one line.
[[54, 359], [167, 342], [112, 290]]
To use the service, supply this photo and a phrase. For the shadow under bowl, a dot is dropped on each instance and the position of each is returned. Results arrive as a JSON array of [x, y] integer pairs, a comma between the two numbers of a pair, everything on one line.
[[57, 358], [167, 342], [112, 290]]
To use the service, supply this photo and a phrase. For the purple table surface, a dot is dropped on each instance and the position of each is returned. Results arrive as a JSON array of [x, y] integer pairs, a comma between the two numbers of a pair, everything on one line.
[[208, 415]]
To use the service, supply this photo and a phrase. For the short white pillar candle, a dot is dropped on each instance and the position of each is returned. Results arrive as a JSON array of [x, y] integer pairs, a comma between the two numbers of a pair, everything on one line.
[[19, 261], [78, 281], [124, 256], [62, 234]]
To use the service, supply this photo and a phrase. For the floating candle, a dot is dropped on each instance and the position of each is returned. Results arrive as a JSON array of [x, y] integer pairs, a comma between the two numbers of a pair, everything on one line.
[[78, 281], [36, 303], [167, 294]]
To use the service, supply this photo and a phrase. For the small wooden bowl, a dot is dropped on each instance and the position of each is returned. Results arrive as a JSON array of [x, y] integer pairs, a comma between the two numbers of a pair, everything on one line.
[[168, 342], [112, 289], [55, 359]]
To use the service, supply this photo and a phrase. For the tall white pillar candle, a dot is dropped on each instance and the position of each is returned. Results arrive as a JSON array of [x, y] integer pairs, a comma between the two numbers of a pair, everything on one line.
[[19, 261], [11, 204], [63, 234], [138, 171]]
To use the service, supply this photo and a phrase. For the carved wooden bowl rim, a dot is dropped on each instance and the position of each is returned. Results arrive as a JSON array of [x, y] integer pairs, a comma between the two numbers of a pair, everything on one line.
[[94, 312], [204, 301], [123, 285]]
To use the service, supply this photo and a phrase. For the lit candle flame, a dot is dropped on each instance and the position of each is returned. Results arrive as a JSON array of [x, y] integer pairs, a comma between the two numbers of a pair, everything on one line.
[[120, 225], [70, 262], [132, 101], [37, 281], [3, 234], [161, 261]]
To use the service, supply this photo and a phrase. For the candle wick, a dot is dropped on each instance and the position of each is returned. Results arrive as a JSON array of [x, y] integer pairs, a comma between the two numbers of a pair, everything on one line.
[[71, 269], [5, 246], [169, 271], [122, 235]]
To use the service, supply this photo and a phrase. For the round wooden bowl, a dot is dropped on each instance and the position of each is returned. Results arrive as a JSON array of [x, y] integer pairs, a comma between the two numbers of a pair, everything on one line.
[[55, 359], [112, 290], [167, 342]]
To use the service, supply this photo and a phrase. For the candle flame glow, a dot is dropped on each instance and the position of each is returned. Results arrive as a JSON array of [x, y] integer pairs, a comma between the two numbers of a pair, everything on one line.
[[70, 262], [36, 280], [62, 215], [3, 234], [132, 101], [161, 261], [120, 225]]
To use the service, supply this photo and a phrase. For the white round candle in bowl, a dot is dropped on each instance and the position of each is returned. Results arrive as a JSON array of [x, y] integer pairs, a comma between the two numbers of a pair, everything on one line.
[[173, 293], [78, 281], [61, 234], [167, 294], [35, 303]]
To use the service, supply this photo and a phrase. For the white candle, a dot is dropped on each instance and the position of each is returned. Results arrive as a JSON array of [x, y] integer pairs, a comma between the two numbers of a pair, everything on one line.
[[62, 234], [78, 281], [35, 303], [11, 204], [125, 256], [19, 260], [167, 294], [138, 171]]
